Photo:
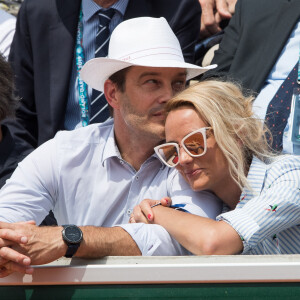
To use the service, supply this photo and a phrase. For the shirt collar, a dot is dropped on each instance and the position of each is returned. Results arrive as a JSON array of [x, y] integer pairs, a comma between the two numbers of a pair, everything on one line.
[[89, 8], [110, 149]]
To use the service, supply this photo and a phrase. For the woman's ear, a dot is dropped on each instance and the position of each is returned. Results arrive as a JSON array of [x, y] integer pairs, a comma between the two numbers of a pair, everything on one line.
[[110, 92]]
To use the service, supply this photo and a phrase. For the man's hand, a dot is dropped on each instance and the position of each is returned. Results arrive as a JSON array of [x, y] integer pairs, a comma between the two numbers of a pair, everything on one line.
[[213, 12], [22, 244], [14, 262], [143, 213], [7, 267]]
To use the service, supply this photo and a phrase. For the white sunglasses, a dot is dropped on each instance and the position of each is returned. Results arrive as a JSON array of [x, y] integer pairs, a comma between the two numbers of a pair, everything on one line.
[[194, 144]]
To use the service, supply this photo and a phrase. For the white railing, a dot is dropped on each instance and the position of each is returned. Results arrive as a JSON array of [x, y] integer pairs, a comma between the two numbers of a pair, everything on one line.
[[146, 270]]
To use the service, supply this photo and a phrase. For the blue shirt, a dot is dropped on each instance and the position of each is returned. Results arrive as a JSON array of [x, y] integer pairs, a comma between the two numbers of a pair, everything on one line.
[[90, 28], [283, 66], [81, 176], [268, 218]]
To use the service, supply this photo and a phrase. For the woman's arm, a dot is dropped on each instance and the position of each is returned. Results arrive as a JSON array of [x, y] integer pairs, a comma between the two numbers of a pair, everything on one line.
[[201, 236]]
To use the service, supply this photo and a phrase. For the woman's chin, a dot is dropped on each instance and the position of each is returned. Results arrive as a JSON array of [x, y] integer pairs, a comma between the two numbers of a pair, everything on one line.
[[197, 185]]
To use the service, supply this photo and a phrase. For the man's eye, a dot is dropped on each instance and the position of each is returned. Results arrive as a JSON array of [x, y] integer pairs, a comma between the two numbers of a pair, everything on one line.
[[152, 81], [179, 85]]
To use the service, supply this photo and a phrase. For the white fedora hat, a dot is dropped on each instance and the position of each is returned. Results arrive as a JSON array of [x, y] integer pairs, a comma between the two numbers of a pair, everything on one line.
[[145, 41]]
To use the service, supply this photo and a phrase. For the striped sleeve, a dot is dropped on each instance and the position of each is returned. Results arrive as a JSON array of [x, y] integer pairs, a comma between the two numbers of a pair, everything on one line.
[[274, 210]]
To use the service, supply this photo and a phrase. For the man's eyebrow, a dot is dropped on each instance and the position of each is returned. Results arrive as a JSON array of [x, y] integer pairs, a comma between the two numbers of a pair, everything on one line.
[[183, 73]]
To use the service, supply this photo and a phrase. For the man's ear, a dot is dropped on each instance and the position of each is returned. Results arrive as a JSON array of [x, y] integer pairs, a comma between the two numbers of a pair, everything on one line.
[[110, 92]]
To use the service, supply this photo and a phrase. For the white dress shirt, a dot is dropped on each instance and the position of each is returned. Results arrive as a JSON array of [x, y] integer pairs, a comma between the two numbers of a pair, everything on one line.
[[81, 176]]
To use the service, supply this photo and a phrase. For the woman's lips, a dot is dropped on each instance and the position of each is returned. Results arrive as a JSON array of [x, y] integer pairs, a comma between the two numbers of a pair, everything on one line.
[[192, 173]]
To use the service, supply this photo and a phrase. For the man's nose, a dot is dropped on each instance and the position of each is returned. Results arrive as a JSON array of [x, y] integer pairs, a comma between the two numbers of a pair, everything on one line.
[[167, 93]]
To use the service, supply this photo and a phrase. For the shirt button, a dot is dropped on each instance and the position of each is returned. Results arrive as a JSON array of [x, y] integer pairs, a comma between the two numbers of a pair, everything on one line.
[[137, 178], [129, 211]]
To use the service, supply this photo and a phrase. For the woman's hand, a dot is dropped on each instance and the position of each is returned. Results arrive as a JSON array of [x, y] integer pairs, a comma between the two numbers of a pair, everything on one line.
[[143, 213]]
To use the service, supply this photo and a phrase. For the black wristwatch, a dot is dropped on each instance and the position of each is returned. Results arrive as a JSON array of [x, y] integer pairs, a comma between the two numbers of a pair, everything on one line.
[[72, 236]]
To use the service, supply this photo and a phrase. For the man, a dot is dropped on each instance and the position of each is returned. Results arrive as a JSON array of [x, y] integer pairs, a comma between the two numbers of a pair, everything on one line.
[[95, 175], [44, 59], [259, 49]]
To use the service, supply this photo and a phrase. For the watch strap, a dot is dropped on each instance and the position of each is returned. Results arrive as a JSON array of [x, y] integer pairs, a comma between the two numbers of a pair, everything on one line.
[[72, 248]]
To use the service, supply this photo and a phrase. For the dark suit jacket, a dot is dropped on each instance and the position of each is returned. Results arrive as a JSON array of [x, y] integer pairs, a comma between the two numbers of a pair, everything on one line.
[[42, 55], [10, 155], [254, 39]]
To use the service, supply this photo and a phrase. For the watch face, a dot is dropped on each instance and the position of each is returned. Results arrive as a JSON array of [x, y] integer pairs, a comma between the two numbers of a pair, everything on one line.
[[73, 234]]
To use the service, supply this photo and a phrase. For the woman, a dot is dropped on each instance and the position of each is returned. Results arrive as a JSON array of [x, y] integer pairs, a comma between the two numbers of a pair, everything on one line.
[[216, 143]]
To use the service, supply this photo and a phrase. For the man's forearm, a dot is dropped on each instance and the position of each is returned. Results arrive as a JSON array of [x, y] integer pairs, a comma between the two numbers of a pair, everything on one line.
[[101, 241], [45, 244]]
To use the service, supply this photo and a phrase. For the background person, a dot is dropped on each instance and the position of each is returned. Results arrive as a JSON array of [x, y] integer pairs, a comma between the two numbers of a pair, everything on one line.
[[218, 145], [10, 153], [215, 16], [260, 49], [213, 13]]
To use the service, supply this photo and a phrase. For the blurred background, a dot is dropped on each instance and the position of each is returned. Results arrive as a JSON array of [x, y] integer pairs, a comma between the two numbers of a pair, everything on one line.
[[11, 6]]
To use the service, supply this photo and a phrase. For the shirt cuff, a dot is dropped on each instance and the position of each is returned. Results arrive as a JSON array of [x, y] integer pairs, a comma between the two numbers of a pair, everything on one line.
[[244, 225], [154, 240]]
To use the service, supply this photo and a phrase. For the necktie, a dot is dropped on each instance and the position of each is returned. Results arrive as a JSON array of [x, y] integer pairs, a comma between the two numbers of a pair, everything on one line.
[[99, 105], [279, 109]]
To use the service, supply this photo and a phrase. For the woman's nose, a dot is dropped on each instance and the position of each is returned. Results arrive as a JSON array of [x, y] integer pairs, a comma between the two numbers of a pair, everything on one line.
[[184, 157]]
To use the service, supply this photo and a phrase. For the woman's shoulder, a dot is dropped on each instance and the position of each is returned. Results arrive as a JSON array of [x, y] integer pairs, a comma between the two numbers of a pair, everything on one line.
[[284, 159], [283, 163]]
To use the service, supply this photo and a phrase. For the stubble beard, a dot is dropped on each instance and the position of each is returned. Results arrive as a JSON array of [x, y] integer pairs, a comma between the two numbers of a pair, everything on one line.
[[142, 125], [144, 128]]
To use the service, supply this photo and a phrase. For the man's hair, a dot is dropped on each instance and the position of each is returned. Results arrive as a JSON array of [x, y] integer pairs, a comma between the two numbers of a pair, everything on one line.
[[119, 78], [8, 102], [238, 132]]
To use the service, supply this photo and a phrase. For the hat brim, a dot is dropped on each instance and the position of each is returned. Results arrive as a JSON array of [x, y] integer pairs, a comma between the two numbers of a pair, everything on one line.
[[97, 70]]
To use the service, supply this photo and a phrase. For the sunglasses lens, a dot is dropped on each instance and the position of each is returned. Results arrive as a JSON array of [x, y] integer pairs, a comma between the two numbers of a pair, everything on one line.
[[169, 154], [195, 144]]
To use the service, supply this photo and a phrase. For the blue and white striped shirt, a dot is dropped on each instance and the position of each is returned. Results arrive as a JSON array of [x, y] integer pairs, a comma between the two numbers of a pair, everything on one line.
[[90, 26], [268, 218]]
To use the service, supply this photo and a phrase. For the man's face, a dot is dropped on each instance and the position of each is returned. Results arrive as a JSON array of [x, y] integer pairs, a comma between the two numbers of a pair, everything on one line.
[[145, 94]]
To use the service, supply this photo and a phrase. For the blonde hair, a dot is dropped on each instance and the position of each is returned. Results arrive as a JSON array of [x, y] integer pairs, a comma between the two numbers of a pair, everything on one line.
[[238, 133]]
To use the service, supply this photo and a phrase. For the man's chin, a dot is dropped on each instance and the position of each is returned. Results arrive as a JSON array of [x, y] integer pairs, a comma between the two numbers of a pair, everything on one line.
[[158, 130]]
